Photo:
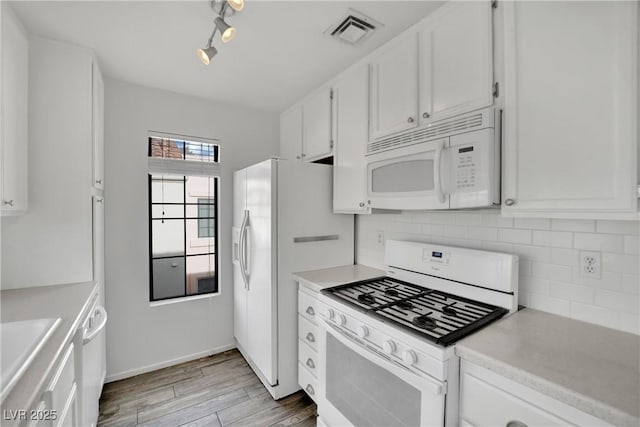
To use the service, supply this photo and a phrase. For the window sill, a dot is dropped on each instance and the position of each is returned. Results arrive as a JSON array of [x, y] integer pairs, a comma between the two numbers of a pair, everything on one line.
[[182, 299]]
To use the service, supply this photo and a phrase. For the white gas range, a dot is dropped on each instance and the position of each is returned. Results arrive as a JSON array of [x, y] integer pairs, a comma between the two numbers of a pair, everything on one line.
[[386, 345]]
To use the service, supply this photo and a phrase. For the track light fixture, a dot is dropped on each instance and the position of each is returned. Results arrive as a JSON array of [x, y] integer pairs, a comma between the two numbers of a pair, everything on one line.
[[223, 8]]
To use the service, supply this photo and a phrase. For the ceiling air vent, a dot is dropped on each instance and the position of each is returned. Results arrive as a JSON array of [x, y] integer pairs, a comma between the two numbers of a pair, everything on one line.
[[353, 28]]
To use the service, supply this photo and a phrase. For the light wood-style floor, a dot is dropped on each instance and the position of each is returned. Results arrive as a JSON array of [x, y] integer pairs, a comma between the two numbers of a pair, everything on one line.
[[220, 390]]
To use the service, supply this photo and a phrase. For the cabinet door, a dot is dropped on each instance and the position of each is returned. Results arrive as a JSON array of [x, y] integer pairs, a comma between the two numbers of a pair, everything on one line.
[[15, 60], [456, 60], [291, 133], [349, 165], [316, 123], [394, 87], [570, 120], [98, 128]]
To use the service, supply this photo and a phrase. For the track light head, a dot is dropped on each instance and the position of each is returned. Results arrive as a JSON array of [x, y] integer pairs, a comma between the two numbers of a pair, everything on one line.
[[236, 5], [226, 31], [206, 54]]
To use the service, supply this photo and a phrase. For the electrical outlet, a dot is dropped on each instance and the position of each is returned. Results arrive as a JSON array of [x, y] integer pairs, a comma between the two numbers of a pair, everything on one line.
[[380, 238], [590, 264]]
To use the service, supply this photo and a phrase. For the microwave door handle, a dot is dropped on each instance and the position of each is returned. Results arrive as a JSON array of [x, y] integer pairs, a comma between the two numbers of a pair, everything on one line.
[[437, 179]]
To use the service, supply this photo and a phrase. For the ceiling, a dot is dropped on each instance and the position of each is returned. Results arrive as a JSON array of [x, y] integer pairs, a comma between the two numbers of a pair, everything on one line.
[[279, 53]]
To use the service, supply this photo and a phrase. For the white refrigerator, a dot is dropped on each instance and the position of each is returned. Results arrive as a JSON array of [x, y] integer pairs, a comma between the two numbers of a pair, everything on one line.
[[282, 223]]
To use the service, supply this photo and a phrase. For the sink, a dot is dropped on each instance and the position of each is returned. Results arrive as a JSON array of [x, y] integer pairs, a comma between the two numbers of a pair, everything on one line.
[[19, 344]]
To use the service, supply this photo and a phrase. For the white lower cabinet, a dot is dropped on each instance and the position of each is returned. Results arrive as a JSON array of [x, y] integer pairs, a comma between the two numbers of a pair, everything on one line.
[[307, 339], [58, 405], [489, 399]]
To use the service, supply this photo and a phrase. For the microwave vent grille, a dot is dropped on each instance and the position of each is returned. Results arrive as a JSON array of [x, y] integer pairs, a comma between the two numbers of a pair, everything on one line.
[[437, 130]]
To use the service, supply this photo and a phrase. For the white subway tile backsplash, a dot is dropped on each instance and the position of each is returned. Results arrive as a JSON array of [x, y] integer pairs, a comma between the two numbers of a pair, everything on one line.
[[534, 253], [620, 263], [514, 235], [549, 276], [630, 322], [630, 284], [549, 304], [598, 242], [469, 218], [585, 225], [533, 223], [617, 227], [571, 292], [559, 239], [455, 231], [631, 245], [561, 273], [616, 301], [483, 233], [564, 256], [533, 285], [491, 219], [497, 247], [593, 314]]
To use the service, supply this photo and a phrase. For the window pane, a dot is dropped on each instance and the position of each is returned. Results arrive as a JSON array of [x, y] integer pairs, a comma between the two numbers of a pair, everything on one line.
[[201, 151], [167, 211], [201, 236], [201, 210], [167, 237], [198, 268], [200, 187], [167, 189], [166, 148], [168, 277]]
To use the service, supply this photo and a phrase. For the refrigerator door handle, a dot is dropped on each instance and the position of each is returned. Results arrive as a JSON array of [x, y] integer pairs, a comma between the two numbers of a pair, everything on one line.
[[243, 249]]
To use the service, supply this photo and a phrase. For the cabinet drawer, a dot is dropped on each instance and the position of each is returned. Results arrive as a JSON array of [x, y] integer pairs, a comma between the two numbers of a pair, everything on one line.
[[308, 358], [63, 381], [487, 398], [308, 383], [308, 332], [308, 306]]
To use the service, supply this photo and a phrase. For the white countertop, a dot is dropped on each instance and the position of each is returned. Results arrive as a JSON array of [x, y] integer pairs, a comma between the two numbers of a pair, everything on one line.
[[318, 280], [68, 302], [589, 367]]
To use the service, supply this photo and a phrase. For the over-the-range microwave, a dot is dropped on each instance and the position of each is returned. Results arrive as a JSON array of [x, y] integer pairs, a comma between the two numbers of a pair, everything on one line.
[[453, 163]]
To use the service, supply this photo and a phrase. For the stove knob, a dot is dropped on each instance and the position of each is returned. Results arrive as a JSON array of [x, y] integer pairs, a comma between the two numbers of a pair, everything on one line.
[[341, 319], [329, 313], [363, 331], [409, 357], [389, 347]]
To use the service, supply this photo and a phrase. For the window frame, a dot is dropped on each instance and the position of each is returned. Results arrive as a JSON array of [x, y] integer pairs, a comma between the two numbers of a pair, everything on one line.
[[185, 168]]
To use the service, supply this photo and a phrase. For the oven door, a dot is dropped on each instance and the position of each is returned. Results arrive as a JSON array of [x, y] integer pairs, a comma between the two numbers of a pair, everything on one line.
[[360, 386], [409, 177]]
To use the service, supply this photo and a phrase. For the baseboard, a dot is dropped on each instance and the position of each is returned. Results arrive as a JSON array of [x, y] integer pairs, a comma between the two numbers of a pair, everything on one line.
[[160, 365]]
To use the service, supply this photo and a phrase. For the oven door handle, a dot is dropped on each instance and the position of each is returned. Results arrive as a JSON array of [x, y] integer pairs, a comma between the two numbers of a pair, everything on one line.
[[435, 387]]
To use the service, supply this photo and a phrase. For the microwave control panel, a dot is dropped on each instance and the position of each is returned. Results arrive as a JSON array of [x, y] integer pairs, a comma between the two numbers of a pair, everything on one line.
[[466, 171]]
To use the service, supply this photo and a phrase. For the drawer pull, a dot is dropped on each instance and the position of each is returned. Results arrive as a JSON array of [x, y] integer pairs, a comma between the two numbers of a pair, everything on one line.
[[514, 423], [310, 363], [309, 389], [311, 338], [310, 311]]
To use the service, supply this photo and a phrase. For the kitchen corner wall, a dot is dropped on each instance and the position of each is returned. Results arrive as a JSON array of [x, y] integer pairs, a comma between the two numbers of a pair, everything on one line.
[[140, 337], [550, 279]]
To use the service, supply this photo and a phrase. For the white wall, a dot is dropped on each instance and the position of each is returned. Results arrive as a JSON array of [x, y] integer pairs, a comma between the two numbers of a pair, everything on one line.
[[140, 337], [548, 248]]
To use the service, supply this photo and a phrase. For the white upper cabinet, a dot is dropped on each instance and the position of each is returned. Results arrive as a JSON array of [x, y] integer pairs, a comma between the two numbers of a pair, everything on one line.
[[571, 115], [455, 60], [394, 87], [317, 135], [349, 167], [291, 133], [98, 128], [14, 108]]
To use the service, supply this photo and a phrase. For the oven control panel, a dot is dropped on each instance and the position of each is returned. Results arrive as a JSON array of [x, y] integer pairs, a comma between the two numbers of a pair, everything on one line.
[[436, 257]]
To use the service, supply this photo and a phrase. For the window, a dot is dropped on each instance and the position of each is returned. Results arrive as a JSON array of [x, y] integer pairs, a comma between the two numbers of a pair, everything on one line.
[[183, 217]]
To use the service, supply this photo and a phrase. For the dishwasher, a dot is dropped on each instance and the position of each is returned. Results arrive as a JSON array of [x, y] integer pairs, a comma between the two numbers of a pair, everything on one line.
[[90, 339]]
